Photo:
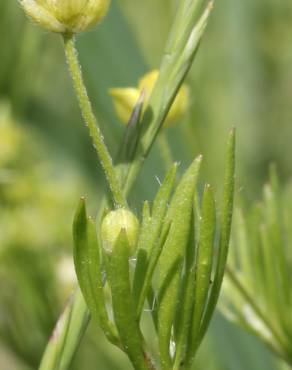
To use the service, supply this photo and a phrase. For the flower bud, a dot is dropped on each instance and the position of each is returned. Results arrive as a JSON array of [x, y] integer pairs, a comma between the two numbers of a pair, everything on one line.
[[65, 16], [116, 221], [124, 99]]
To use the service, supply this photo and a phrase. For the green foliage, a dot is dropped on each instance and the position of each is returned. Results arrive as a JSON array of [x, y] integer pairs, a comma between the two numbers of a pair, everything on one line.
[[184, 39], [257, 292], [242, 75], [88, 269], [175, 266], [180, 51]]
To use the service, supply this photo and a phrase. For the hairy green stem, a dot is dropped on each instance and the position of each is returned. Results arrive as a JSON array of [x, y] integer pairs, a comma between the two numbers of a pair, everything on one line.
[[70, 329], [91, 122]]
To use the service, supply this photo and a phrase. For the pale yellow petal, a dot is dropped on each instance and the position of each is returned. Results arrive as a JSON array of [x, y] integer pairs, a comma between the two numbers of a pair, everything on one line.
[[66, 15], [124, 100], [41, 16], [147, 82], [179, 106], [96, 10]]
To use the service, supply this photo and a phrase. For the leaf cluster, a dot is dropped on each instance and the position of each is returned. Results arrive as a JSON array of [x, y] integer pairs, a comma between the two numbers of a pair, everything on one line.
[[257, 291], [178, 270]]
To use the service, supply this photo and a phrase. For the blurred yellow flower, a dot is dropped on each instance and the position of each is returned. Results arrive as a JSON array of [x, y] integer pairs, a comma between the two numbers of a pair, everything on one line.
[[65, 16], [125, 99]]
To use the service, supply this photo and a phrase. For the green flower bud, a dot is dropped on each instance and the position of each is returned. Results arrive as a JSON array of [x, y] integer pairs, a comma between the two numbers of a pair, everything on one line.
[[116, 221], [65, 16]]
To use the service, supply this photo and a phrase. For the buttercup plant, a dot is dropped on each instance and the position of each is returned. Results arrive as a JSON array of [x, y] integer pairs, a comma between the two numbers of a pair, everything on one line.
[[177, 270]]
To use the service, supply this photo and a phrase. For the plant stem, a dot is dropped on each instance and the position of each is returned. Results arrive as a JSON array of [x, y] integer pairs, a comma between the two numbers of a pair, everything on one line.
[[91, 122], [73, 322]]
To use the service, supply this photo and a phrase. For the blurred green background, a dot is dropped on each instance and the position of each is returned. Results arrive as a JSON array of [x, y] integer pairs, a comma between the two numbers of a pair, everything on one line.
[[242, 77]]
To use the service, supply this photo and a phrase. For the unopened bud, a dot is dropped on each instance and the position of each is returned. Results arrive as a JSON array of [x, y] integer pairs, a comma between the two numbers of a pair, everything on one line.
[[112, 225], [65, 16]]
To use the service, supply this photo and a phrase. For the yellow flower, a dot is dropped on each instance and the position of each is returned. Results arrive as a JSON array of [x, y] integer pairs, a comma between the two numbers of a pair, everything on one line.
[[124, 99], [65, 16]]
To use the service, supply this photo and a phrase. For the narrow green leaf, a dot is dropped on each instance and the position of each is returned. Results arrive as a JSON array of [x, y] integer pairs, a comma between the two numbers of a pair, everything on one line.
[[133, 130], [279, 237], [146, 282], [241, 244], [177, 60], [225, 228], [184, 310], [171, 259], [74, 333], [185, 19], [254, 221], [161, 200], [150, 239], [275, 234], [270, 269], [123, 304], [152, 303], [203, 267], [53, 353], [88, 269]]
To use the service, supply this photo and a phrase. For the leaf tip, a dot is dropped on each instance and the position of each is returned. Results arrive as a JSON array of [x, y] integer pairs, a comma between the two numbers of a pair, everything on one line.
[[199, 158]]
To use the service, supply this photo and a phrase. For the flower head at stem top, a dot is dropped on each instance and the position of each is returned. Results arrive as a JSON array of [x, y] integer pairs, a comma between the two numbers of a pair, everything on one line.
[[65, 16], [125, 99]]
